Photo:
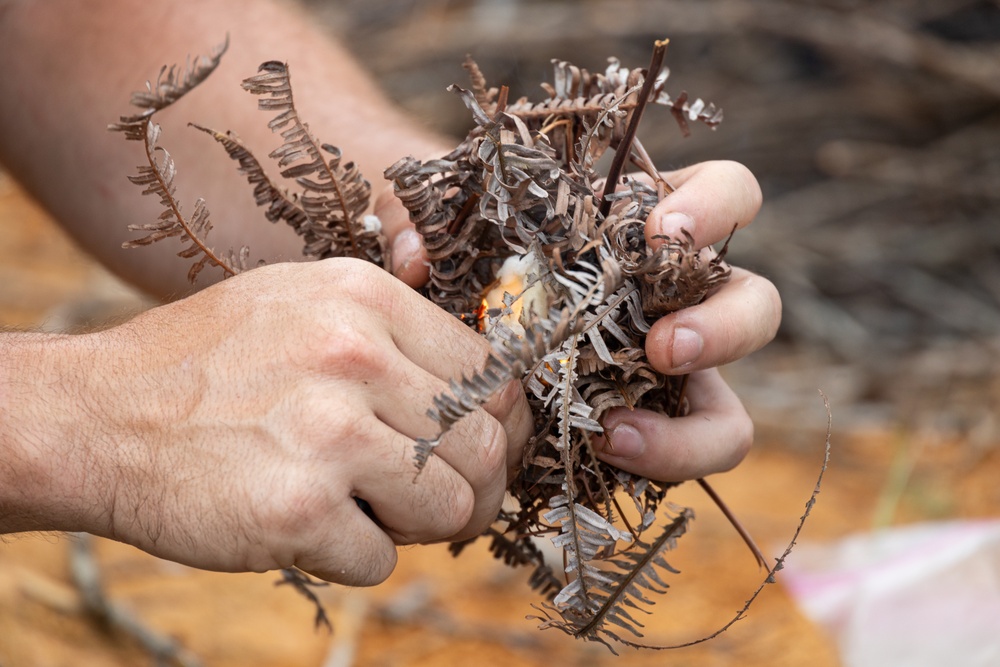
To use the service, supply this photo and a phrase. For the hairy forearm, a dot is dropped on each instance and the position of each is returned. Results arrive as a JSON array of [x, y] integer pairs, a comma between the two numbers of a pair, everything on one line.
[[51, 474], [75, 65]]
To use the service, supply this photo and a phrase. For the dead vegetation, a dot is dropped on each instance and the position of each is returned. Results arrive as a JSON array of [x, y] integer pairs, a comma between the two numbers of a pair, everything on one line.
[[874, 129], [530, 244]]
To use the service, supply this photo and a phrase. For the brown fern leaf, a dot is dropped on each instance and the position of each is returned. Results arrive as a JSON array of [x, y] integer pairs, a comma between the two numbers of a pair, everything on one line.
[[157, 175], [523, 185], [598, 599], [577, 98], [336, 195], [442, 197], [303, 584], [678, 276], [172, 83], [519, 552], [486, 97], [157, 178], [779, 561], [280, 205], [683, 111]]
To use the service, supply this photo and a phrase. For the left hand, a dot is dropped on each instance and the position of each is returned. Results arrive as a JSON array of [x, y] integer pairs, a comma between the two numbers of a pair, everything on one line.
[[740, 317]]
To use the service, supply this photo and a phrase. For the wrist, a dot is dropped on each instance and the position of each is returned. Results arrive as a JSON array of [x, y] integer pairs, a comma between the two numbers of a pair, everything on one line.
[[54, 472]]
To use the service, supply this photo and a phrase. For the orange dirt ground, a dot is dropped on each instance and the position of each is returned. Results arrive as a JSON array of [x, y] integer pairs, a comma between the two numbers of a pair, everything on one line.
[[440, 611]]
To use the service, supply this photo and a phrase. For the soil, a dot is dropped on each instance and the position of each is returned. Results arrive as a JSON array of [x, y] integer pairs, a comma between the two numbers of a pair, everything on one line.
[[437, 610]]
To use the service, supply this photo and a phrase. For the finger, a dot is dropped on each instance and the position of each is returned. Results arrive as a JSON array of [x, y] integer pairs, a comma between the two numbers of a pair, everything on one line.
[[714, 437], [484, 446], [448, 349], [389, 318], [741, 317], [409, 258], [510, 407], [475, 448], [359, 554], [710, 199], [412, 509], [383, 371]]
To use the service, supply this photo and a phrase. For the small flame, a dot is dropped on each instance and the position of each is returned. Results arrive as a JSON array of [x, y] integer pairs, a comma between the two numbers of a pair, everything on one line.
[[511, 279], [481, 315]]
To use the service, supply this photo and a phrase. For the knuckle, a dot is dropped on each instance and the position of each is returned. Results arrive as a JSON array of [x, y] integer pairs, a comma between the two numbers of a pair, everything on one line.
[[370, 571], [336, 420], [345, 272], [349, 350], [368, 282], [768, 306], [746, 184], [295, 510], [350, 279], [288, 522], [741, 440], [455, 508], [493, 452], [316, 419]]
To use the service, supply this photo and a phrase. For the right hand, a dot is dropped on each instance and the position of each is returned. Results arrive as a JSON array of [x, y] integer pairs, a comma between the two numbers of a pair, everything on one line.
[[239, 425]]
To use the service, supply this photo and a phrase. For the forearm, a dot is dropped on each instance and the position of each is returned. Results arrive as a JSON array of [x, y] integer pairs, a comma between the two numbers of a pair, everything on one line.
[[75, 67], [51, 474]]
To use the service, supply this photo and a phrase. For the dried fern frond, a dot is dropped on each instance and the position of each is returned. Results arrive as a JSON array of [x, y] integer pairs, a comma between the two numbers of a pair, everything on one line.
[[303, 584], [485, 97], [519, 553], [157, 178], [172, 83], [280, 205], [335, 194], [589, 610], [577, 98], [523, 185], [157, 175]]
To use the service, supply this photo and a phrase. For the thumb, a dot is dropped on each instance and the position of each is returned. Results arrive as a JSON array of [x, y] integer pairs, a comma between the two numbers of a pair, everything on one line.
[[409, 259]]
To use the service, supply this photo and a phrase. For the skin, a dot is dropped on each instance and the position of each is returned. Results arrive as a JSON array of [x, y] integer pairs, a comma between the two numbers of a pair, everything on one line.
[[233, 427], [736, 320]]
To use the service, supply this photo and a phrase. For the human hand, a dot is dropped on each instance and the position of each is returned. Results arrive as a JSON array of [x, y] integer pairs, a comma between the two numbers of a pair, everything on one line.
[[238, 426], [740, 317]]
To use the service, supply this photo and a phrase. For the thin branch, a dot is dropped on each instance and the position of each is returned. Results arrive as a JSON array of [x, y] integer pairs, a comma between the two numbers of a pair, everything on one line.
[[779, 562], [625, 146], [728, 513]]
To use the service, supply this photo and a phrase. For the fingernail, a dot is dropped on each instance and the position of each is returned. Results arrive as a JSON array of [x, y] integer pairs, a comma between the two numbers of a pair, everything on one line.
[[405, 248], [625, 442], [671, 224], [686, 348]]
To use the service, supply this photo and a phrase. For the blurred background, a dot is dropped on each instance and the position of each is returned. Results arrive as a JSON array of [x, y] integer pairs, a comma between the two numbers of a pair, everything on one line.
[[874, 130]]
